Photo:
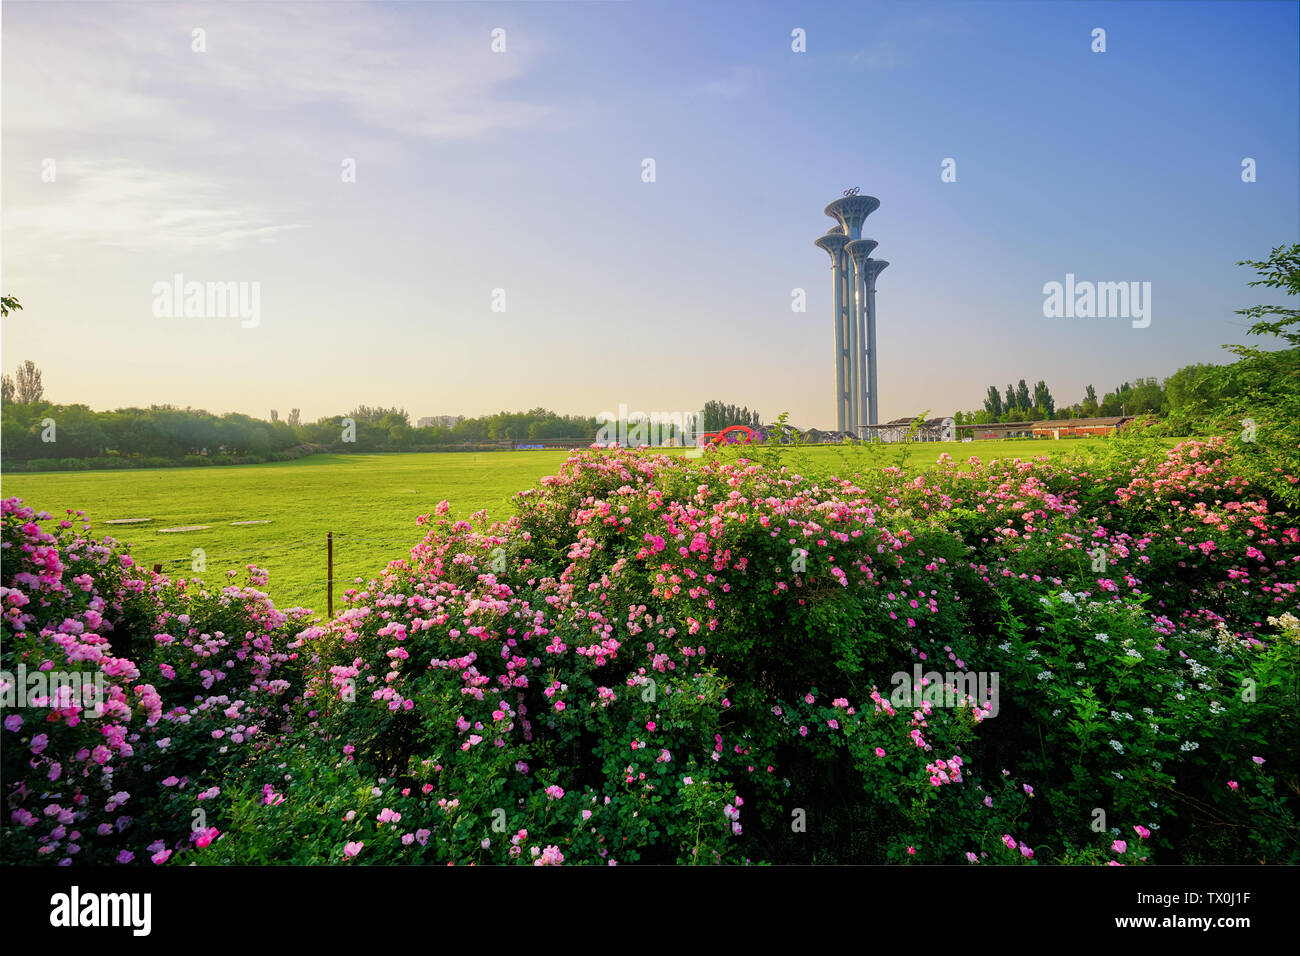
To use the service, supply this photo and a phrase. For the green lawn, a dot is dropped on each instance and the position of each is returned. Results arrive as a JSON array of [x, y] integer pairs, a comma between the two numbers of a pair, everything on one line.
[[369, 501]]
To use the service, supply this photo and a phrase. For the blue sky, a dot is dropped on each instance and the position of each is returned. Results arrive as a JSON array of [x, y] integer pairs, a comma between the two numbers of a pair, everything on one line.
[[521, 171]]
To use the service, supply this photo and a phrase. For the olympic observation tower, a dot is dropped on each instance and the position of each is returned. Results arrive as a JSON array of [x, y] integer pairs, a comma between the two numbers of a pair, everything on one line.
[[854, 273]]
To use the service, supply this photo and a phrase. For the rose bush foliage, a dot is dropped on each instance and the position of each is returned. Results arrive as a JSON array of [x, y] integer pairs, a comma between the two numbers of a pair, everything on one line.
[[673, 661]]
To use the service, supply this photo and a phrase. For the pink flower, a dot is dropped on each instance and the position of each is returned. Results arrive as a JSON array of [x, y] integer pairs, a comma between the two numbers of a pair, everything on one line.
[[1141, 831], [1119, 846], [352, 849], [650, 725], [1232, 785], [551, 856], [911, 851], [1259, 760]]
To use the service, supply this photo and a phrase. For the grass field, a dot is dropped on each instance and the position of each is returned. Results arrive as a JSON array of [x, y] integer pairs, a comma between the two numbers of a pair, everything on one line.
[[370, 502]]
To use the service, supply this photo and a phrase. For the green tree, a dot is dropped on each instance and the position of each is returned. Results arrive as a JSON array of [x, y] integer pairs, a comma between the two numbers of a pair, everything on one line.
[[1281, 270], [28, 388], [993, 402], [1043, 399], [1022, 396]]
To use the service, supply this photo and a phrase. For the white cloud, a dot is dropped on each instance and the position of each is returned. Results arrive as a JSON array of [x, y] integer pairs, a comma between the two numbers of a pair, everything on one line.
[[159, 145]]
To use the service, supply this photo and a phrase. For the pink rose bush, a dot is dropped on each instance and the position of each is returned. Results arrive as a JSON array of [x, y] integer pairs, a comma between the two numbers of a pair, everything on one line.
[[128, 778], [673, 643]]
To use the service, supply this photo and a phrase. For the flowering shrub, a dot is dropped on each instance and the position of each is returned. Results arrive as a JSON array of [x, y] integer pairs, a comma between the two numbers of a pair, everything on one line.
[[661, 660], [195, 683]]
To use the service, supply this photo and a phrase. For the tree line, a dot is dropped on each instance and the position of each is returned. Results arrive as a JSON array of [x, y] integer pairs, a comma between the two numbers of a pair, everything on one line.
[[1021, 404], [37, 434], [717, 416]]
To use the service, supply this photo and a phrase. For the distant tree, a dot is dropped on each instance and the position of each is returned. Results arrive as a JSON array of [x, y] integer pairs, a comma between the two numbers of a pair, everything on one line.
[[372, 416], [275, 416], [1043, 399], [716, 416], [294, 419], [993, 402], [28, 387], [1009, 400], [1090, 406], [7, 387], [1022, 396]]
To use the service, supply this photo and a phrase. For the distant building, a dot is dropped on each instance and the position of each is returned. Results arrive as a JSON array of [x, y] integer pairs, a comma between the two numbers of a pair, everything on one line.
[[1078, 427], [996, 430], [1050, 428], [930, 430]]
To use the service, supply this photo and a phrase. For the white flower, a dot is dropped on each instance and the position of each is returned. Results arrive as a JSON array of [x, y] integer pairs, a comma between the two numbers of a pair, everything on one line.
[[1189, 745], [1104, 638], [1044, 675]]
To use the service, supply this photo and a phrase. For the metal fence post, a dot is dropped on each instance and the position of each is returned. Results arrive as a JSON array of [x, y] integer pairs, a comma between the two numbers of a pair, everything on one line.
[[329, 574]]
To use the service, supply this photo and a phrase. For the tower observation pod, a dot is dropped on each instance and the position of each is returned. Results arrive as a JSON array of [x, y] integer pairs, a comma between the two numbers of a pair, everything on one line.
[[854, 273]]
